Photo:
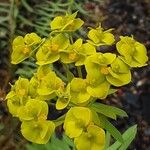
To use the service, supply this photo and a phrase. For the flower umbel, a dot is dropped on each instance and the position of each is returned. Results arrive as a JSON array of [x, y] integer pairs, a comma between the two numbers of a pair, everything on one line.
[[68, 23], [132, 52], [92, 139], [72, 74], [75, 123], [23, 47], [49, 52], [18, 96], [100, 37], [77, 53], [78, 92]]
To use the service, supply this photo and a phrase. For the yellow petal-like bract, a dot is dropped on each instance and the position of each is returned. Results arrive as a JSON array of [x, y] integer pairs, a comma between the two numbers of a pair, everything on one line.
[[92, 139], [24, 47], [34, 110], [69, 22], [78, 91], [77, 53], [49, 52], [63, 97], [75, 123], [100, 37], [37, 131], [18, 96], [132, 52]]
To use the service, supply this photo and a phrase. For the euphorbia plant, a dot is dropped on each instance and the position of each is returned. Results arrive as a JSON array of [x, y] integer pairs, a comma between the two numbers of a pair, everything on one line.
[[87, 119]]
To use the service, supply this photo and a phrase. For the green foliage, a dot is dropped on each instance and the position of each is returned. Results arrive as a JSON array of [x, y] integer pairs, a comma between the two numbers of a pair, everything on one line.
[[109, 111], [28, 68], [128, 137], [104, 123]]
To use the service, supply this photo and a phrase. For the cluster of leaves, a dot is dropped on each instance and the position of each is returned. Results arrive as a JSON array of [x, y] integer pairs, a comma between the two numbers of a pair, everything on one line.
[[86, 120]]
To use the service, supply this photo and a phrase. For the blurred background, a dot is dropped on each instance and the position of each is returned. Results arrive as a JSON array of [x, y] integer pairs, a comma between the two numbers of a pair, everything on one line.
[[127, 17]]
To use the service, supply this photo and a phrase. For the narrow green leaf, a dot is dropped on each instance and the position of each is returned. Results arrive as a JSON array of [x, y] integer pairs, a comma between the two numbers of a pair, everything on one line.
[[109, 111], [25, 21], [29, 63], [4, 4], [108, 137], [69, 141], [44, 13], [103, 111], [4, 10], [104, 123], [95, 118], [63, 4], [112, 91], [81, 10], [59, 120], [3, 19], [128, 137], [57, 144], [42, 7], [69, 74], [79, 69], [26, 5]]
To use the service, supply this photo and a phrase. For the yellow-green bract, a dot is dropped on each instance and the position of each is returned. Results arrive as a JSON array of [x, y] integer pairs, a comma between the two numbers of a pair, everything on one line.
[[68, 23], [132, 52], [23, 47]]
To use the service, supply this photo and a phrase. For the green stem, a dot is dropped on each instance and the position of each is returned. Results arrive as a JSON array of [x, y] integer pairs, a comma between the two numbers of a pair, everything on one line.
[[59, 120], [66, 67], [57, 32], [12, 19], [69, 74], [71, 39], [34, 50], [79, 71], [92, 100], [71, 2]]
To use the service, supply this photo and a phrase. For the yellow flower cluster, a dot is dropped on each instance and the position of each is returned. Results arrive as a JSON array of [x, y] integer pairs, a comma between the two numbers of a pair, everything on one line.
[[29, 98], [80, 127]]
